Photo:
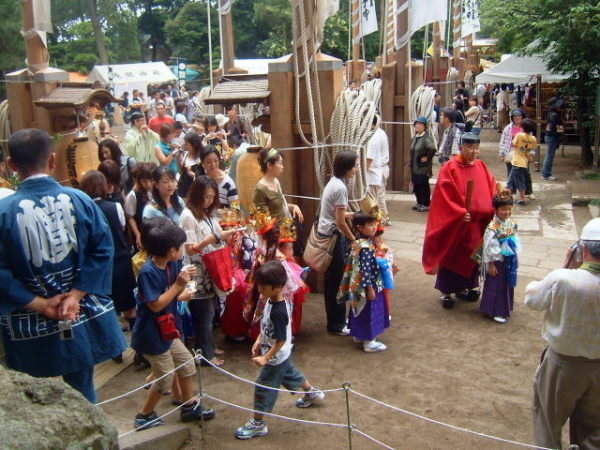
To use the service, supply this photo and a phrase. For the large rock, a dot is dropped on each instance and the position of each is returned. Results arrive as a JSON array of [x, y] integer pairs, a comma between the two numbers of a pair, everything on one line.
[[42, 413]]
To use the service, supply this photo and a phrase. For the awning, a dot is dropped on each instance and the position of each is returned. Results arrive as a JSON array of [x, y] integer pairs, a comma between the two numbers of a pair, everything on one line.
[[234, 89], [75, 97]]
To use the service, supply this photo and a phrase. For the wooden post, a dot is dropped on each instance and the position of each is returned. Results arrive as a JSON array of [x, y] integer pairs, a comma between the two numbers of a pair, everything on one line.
[[437, 50], [538, 120], [227, 52], [357, 66], [456, 24]]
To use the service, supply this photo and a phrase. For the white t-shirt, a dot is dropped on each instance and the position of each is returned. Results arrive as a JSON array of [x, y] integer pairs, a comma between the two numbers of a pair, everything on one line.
[[272, 328], [335, 195], [379, 151], [131, 203]]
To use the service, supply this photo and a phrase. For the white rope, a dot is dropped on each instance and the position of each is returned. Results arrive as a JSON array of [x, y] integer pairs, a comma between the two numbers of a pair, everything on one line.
[[371, 438], [395, 123], [452, 80], [437, 422], [372, 89], [315, 147], [261, 385], [278, 416], [118, 397], [158, 418]]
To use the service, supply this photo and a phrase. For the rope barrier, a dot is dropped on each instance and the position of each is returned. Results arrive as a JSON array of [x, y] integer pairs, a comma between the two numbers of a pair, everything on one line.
[[118, 397], [158, 418], [437, 422], [277, 416], [284, 149], [262, 385], [371, 438]]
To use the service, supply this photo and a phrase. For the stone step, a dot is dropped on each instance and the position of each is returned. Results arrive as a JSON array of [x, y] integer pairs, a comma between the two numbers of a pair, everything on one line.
[[164, 437], [582, 191]]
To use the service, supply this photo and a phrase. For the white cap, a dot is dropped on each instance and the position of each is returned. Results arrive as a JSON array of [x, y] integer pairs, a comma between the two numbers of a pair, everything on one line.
[[221, 119], [591, 230]]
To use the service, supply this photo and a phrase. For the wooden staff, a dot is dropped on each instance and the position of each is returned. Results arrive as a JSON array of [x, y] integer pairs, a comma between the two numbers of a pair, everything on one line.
[[469, 194]]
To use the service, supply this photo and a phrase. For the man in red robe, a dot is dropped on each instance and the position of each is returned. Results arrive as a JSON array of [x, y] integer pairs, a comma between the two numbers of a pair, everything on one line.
[[454, 232]]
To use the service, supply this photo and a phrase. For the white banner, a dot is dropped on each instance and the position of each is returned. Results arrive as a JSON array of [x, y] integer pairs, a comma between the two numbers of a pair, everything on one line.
[[368, 18], [225, 7], [470, 18], [420, 13], [323, 11]]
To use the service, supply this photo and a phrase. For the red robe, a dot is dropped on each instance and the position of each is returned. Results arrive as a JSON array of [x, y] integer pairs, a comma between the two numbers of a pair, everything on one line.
[[449, 241]]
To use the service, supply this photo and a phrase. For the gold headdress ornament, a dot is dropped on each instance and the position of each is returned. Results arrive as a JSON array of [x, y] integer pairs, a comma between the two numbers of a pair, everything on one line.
[[378, 215], [287, 230], [260, 219], [229, 217]]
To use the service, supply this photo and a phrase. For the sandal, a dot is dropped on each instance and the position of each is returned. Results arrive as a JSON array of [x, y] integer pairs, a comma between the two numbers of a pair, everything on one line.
[[219, 351], [215, 362]]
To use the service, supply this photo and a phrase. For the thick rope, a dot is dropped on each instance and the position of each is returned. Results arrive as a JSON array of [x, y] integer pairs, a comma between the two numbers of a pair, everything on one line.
[[452, 78], [4, 126]]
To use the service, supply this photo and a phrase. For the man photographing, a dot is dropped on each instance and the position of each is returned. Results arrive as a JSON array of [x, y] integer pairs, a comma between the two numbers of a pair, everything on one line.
[[567, 382]]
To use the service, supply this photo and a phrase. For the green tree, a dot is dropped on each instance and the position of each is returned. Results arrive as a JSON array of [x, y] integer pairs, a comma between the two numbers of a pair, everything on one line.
[[566, 33], [76, 52]]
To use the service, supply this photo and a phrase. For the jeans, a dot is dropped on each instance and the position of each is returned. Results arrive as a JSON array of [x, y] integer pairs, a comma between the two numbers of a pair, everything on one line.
[[203, 312], [552, 142], [284, 374], [82, 381], [421, 189], [336, 312]]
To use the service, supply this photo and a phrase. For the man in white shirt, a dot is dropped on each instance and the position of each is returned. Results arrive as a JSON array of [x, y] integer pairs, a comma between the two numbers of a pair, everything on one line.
[[567, 382], [139, 141], [378, 170]]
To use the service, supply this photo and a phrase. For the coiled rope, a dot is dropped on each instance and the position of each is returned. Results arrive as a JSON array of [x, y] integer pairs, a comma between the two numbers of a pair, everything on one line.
[[4, 126], [452, 79]]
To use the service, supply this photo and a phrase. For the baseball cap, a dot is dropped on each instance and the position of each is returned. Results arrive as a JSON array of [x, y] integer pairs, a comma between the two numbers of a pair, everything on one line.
[[591, 230]]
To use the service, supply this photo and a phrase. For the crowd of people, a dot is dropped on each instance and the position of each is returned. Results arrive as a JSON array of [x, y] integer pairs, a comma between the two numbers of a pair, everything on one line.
[[157, 235]]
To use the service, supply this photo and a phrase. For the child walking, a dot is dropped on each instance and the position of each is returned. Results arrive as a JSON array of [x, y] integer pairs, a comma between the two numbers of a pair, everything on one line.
[[500, 262], [524, 144], [272, 352], [156, 331], [362, 285]]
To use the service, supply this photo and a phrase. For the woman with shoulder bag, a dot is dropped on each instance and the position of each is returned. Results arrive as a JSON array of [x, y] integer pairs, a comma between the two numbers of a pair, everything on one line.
[[332, 223]]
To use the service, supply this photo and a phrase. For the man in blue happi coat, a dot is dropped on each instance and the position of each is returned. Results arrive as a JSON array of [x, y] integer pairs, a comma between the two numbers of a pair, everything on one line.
[[56, 256]]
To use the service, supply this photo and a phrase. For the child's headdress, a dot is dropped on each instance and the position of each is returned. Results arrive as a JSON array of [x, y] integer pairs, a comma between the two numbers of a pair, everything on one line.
[[260, 219], [287, 231], [229, 217], [503, 198]]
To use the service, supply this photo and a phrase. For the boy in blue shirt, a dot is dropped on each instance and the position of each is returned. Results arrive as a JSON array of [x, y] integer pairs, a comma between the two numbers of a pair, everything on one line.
[[156, 332], [272, 352]]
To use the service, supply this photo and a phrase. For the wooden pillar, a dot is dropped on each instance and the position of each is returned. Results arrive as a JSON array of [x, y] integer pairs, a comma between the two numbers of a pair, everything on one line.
[[456, 24], [357, 66], [437, 52], [227, 48]]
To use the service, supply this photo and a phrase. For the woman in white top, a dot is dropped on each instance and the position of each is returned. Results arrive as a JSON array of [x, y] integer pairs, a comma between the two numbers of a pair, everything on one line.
[[165, 201], [204, 235], [190, 165], [227, 190], [474, 114], [332, 221]]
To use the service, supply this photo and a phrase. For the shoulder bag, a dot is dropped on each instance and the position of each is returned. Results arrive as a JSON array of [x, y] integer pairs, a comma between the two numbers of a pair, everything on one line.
[[319, 250]]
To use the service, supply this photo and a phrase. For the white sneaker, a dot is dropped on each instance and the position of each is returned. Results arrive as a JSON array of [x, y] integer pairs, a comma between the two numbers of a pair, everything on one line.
[[531, 196], [313, 395], [374, 346], [550, 178], [499, 319], [344, 332]]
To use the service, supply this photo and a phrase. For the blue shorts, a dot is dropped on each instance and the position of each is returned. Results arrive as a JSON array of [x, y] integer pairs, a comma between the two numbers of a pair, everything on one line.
[[517, 180], [284, 374]]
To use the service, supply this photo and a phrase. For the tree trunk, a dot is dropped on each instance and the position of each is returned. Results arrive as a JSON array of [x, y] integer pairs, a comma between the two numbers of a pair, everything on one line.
[[98, 34]]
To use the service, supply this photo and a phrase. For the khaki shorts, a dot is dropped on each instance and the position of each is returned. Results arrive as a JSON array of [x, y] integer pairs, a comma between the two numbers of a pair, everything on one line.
[[167, 361]]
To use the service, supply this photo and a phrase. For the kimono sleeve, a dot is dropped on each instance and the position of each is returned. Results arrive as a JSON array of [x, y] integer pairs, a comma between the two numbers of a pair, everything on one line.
[[95, 248]]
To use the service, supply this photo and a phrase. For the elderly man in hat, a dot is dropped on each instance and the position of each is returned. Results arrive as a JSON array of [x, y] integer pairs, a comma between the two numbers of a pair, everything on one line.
[[461, 208], [553, 131], [567, 382], [422, 150], [378, 170], [140, 141]]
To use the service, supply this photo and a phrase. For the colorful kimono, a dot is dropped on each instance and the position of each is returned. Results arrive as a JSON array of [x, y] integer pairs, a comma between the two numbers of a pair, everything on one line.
[[367, 319], [500, 246], [54, 239]]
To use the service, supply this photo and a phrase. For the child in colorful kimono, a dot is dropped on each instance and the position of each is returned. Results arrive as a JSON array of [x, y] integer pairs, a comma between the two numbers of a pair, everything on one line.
[[287, 238], [362, 286], [385, 260], [500, 263]]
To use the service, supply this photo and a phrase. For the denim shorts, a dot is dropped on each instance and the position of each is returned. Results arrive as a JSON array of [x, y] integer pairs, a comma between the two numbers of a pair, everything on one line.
[[284, 374], [517, 179]]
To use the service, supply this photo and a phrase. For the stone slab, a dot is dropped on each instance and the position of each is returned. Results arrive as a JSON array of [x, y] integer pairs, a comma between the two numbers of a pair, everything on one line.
[[527, 223], [559, 228]]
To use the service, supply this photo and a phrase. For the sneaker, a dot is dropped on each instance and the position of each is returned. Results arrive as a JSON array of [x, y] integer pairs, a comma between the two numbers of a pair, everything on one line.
[[313, 395], [550, 178], [531, 196], [143, 422], [343, 332], [374, 346], [521, 202], [499, 319], [423, 208], [356, 340], [416, 207], [251, 429], [447, 302], [196, 411]]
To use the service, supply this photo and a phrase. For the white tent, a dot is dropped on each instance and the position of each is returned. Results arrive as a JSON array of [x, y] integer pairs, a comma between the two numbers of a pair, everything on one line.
[[127, 77], [519, 70]]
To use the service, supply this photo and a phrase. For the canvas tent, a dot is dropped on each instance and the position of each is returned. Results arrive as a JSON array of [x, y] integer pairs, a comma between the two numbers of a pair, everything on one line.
[[519, 70], [127, 77]]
